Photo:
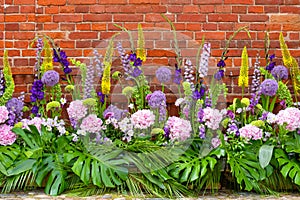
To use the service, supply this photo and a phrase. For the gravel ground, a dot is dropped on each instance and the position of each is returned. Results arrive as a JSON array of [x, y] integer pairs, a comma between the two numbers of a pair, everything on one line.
[[220, 195]]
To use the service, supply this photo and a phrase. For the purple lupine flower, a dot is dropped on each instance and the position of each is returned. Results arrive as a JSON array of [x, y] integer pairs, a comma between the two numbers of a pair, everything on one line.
[[196, 95], [269, 87], [208, 102], [163, 74], [156, 99], [200, 115], [280, 72], [177, 76], [203, 65], [50, 78], [219, 74], [35, 110], [256, 77], [89, 81], [99, 64], [188, 73], [2, 83], [137, 62], [67, 70], [117, 113], [255, 97], [15, 109], [202, 131], [36, 91], [271, 64], [101, 97], [128, 70], [167, 132], [132, 57], [38, 52]]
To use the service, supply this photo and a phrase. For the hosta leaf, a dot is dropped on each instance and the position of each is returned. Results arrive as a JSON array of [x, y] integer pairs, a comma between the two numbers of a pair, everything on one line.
[[265, 155]]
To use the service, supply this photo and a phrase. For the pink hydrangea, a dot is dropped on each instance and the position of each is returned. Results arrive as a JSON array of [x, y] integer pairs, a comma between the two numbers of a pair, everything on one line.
[[91, 124], [7, 137], [77, 110], [3, 114], [290, 117], [212, 118], [180, 129], [36, 121], [215, 142], [251, 132], [142, 119]]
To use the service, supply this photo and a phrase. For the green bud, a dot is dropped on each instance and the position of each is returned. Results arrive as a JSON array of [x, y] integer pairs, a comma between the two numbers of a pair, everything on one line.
[[69, 88], [90, 102], [258, 123], [116, 75], [52, 105]]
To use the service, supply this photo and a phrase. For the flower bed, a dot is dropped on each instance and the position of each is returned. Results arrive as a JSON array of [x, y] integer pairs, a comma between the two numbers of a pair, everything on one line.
[[141, 148]]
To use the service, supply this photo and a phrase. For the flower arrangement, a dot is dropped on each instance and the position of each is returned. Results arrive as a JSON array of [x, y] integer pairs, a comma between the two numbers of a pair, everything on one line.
[[142, 147]]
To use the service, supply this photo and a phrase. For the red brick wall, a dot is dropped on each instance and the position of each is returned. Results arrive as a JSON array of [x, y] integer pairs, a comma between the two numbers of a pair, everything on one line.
[[78, 26]]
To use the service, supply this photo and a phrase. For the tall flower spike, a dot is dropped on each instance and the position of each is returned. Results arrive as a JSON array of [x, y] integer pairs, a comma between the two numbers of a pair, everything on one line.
[[203, 65], [89, 81], [9, 81], [39, 59], [243, 78], [188, 73], [47, 62], [256, 76], [125, 60], [141, 52], [2, 83], [99, 64]]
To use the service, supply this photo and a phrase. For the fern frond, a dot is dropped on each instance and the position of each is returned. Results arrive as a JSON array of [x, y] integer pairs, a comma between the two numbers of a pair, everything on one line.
[[286, 56], [141, 52], [9, 81], [243, 77]]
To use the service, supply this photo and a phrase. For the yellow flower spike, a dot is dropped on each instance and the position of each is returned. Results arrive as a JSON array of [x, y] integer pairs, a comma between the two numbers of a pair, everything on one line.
[[141, 52], [243, 78], [47, 62], [106, 79]]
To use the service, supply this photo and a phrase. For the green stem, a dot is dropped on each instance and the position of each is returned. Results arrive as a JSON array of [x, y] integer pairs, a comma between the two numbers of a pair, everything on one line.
[[162, 87], [267, 103]]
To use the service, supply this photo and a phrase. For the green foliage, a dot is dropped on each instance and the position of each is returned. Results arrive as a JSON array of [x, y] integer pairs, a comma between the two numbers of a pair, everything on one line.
[[9, 81], [289, 166], [284, 93], [265, 155]]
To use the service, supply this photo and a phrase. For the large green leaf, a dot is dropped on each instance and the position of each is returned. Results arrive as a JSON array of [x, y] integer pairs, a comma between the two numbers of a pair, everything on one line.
[[265, 155], [21, 166]]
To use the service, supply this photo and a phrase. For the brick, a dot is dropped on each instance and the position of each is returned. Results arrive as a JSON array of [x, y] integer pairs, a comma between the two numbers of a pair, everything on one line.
[[67, 27], [250, 2], [112, 2], [82, 9], [223, 9], [83, 2], [285, 19], [27, 9], [269, 2], [56, 35], [210, 27], [290, 9], [52, 2], [83, 35], [43, 18], [99, 27], [83, 44], [255, 9], [157, 18], [239, 9], [24, 2], [11, 27], [28, 52], [24, 35], [258, 27], [193, 27], [175, 9], [48, 26], [294, 36], [190, 9], [21, 44], [52, 10], [211, 2], [27, 26], [292, 2], [291, 27], [67, 9], [170, 2], [143, 1], [83, 27], [67, 44], [207, 9], [67, 18], [223, 18], [225, 27], [210, 35], [15, 18], [191, 18], [12, 9], [97, 18], [253, 18], [271, 9], [97, 9], [128, 18]]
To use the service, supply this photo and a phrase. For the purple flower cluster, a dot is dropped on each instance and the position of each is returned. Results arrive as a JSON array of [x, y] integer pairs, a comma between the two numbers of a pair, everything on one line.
[[280, 72], [188, 72], [63, 60], [38, 52], [233, 129], [163, 74], [199, 93], [202, 132], [157, 100], [255, 97], [271, 64], [114, 112], [99, 64], [50, 78], [256, 77], [89, 81], [15, 109], [37, 91], [200, 115], [219, 74], [125, 61], [177, 76], [2, 83], [136, 62], [101, 96], [269, 87]]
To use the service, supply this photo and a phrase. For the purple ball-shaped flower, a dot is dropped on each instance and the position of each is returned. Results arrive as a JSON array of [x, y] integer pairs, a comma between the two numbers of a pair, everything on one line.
[[163, 74], [269, 87], [50, 78], [157, 99], [280, 72]]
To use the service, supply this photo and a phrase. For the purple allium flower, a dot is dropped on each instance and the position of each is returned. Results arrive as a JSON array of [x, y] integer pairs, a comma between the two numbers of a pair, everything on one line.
[[219, 74], [157, 99], [50, 78], [101, 96], [177, 76], [167, 132], [15, 109], [163, 74], [269, 87], [221, 63], [280, 72], [117, 113]]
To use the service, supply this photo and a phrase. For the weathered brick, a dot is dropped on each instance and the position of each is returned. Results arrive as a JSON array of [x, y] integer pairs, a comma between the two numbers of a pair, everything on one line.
[[191, 17], [254, 18], [83, 35], [52, 2], [250, 2], [223, 18]]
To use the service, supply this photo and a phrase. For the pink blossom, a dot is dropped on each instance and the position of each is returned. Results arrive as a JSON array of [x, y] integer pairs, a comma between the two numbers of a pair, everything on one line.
[[290, 117], [215, 142], [3, 114], [36, 121], [91, 124], [7, 137], [180, 129], [212, 118], [142, 119], [77, 110], [251, 132]]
